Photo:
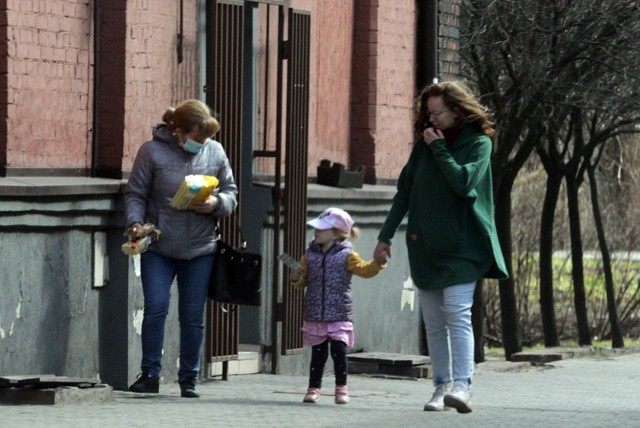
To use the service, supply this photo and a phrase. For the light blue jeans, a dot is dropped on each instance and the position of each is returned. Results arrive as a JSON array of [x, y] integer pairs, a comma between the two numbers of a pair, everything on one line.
[[447, 317], [158, 273]]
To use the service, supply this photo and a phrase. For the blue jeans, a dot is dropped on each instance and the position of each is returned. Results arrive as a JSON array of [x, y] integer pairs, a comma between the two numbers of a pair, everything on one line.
[[158, 273], [447, 318]]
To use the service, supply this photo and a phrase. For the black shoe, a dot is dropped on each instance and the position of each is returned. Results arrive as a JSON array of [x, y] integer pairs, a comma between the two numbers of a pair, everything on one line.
[[146, 384], [188, 389]]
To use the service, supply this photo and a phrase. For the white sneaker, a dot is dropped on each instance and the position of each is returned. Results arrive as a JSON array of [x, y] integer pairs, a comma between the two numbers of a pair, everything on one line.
[[459, 397], [436, 404]]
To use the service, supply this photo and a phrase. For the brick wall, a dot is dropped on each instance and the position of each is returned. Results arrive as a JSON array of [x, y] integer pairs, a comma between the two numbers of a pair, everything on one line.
[[448, 42], [48, 86], [364, 83], [110, 64], [383, 86], [4, 64], [47, 70], [154, 79], [332, 26], [396, 86]]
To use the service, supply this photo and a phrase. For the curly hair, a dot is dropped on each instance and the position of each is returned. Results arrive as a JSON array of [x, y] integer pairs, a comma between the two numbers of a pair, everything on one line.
[[458, 98]]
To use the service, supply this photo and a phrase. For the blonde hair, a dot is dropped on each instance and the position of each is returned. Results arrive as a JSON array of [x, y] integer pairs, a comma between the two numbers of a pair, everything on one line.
[[189, 114], [458, 98], [355, 233]]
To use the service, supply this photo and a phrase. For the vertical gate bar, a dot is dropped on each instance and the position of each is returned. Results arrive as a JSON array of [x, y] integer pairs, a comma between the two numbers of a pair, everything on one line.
[[296, 169], [277, 198], [265, 128], [223, 96]]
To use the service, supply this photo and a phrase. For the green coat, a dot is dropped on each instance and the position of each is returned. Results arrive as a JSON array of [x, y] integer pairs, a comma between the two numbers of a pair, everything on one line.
[[448, 194]]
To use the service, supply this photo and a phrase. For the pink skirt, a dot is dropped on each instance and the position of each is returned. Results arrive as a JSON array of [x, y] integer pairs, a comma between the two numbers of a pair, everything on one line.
[[316, 332]]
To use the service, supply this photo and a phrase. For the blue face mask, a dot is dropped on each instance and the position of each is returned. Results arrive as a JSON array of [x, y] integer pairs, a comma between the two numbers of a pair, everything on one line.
[[192, 146]]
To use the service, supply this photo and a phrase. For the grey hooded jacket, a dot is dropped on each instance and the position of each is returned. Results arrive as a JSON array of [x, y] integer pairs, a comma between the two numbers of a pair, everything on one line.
[[158, 171]]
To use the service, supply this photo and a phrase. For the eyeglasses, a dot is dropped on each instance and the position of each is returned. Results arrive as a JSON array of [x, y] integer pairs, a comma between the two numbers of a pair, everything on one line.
[[437, 113]]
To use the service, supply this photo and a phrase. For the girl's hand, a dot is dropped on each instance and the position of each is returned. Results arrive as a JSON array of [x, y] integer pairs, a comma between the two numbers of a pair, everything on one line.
[[296, 275], [382, 252], [431, 134], [207, 206]]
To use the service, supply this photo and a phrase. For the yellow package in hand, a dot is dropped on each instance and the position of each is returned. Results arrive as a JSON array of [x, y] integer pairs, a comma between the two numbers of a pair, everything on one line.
[[194, 188]]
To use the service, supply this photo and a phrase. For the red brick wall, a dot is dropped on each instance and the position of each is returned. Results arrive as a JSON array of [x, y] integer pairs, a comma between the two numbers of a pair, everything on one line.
[[362, 79], [332, 24], [48, 84], [364, 87], [383, 87], [49, 92], [396, 86], [154, 79], [111, 86]]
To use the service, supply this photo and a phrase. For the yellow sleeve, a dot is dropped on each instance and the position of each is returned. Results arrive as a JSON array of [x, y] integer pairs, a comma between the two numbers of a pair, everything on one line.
[[361, 268], [302, 282]]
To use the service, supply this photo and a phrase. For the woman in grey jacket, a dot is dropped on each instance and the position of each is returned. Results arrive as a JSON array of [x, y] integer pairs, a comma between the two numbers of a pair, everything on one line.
[[181, 146]]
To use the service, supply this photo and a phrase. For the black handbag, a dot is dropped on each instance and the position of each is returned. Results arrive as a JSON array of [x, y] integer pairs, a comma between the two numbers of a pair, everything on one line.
[[236, 275]]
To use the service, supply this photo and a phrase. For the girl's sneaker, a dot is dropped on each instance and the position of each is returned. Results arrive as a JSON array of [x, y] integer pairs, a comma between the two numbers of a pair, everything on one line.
[[312, 395], [342, 394]]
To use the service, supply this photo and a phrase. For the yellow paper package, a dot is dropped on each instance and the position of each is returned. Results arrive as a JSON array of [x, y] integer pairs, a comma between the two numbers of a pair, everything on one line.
[[194, 188]]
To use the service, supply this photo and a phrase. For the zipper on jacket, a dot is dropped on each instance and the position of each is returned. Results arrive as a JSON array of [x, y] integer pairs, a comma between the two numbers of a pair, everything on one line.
[[324, 258], [189, 231]]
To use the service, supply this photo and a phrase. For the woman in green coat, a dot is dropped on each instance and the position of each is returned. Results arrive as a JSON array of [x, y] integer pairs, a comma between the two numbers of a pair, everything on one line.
[[446, 190]]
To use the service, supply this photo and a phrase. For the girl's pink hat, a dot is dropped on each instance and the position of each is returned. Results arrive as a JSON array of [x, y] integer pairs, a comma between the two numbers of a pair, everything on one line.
[[333, 218]]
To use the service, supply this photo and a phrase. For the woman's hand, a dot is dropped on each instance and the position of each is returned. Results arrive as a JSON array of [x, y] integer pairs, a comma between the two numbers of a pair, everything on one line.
[[207, 206], [382, 253], [136, 231], [431, 134]]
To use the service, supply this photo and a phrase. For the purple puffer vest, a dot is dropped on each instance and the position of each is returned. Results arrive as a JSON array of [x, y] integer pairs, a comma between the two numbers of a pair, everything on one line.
[[328, 296]]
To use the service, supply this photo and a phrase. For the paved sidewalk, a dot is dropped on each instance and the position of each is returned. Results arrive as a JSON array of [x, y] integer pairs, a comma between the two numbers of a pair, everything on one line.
[[581, 392]]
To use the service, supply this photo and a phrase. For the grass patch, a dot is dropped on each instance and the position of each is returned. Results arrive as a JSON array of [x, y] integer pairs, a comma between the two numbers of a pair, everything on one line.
[[493, 353]]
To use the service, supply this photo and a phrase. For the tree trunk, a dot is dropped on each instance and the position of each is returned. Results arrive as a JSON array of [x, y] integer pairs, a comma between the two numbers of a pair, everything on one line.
[[617, 340], [547, 308], [577, 271], [477, 319], [511, 337]]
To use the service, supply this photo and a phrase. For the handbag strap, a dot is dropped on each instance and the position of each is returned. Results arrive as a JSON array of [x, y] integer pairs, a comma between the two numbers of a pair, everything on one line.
[[243, 243], [242, 247]]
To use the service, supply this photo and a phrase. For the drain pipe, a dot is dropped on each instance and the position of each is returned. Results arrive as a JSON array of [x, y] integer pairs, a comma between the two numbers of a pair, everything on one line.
[[96, 63], [427, 31], [179, 49]]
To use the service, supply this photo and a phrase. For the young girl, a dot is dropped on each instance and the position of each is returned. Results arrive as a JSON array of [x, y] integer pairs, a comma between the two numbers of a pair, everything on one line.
[[327, 268]]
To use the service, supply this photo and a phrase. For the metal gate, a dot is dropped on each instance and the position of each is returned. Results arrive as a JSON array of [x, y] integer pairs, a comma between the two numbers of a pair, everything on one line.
[[224, 95], [225, 70]]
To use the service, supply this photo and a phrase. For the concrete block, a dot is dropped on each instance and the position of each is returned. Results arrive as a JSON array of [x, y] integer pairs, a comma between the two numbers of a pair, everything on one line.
[[389, 358], [100, 393]]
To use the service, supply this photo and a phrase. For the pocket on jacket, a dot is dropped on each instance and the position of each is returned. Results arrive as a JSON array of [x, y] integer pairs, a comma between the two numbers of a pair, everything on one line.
[[445, 234]]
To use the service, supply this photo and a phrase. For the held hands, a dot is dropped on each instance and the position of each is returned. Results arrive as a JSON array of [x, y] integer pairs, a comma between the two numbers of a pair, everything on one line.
[[431, 134], [382, 253], [207, 206]]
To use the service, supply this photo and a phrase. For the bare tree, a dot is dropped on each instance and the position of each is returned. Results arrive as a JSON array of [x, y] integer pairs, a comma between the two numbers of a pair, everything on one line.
[[617, 338], [542, 67]]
